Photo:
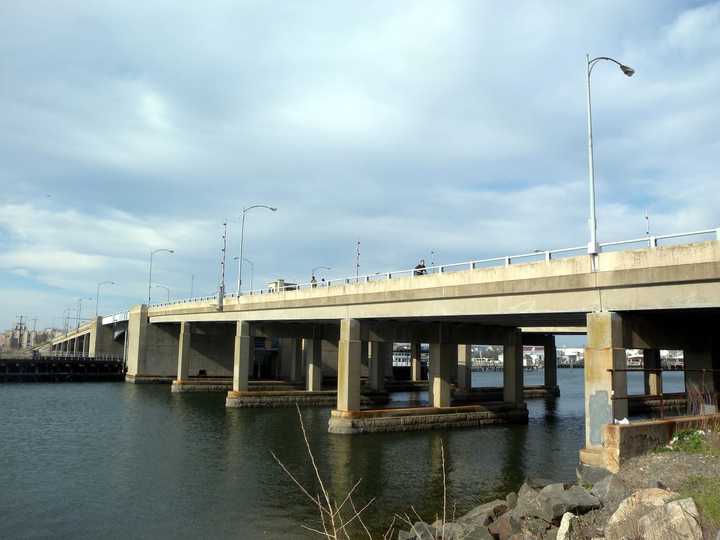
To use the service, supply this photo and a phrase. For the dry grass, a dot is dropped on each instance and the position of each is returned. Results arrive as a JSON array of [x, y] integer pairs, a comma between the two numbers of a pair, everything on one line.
[[335, 519]]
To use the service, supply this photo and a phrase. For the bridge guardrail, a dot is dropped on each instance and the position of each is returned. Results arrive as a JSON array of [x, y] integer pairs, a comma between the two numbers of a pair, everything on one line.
[[652, 241]]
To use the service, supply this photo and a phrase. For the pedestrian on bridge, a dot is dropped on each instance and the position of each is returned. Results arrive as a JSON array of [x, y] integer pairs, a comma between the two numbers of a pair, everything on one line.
[[420, 268]]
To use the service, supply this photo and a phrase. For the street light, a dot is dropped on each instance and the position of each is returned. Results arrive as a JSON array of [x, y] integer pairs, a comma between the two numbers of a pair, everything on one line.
[[252, 268], [593, 247], [242, 238], [312, 272], [164, 287], [150, 277], [97, 295], [66, 316], [79, 309]]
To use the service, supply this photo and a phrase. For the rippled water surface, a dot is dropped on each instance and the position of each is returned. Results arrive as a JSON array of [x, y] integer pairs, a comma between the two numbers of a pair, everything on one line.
[[133, 461]]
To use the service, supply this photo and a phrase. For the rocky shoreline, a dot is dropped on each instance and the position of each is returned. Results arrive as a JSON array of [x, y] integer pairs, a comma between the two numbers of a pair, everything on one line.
[[643, 500]]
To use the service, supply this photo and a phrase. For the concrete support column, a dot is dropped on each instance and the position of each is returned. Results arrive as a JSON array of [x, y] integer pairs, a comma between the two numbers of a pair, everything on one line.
[[86, 344], [389, 374], [244, 352], [349, 353], [464, 369], [416, 362], [313, 359], [700, 357], [297, 372], [381, 356], [604, 350], [550, 360], [184, 352], [443, 362], [76, 345], [513, 373], [653, 380]]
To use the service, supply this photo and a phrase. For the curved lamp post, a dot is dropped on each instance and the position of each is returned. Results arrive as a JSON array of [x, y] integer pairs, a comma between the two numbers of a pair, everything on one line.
[[312, 272], [164, 287], [150, 276], [97, 295], [242, 238], [79, 310], [252, 268], [593, 247]]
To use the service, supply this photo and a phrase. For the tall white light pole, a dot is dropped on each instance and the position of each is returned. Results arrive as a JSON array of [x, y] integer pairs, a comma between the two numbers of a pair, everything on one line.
[[161, 286], [79, 310], [242, 238], [150, 275], [312, 272], [593, 247], [97, 295], [252, 268]]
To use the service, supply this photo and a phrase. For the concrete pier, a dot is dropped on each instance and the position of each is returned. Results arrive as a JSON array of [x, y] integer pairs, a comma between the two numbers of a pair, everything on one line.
[[652, 380], [464, 371], [416, 362], [513, 372], [604, 350], [313, 361]]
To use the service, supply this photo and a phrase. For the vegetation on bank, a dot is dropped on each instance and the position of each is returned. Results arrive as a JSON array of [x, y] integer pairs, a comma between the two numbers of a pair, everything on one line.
[[706, 493]]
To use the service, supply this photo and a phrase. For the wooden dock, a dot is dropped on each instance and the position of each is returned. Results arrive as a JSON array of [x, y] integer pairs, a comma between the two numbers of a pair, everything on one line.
[[54, 369]]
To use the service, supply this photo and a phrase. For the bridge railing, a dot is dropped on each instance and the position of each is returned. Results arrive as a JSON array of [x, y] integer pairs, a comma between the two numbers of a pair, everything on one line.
[[652, 241]]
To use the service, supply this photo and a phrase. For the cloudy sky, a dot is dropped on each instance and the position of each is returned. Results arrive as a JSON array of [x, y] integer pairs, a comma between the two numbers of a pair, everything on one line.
[[412, 126]]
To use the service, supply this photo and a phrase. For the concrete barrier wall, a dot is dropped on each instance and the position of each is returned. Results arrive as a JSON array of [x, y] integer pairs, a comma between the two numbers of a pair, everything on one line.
[[625, 441], [161, 350], [211, 349]]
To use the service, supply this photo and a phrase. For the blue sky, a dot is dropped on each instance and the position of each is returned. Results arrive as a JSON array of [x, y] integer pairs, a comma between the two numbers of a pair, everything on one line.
[[411, 126]]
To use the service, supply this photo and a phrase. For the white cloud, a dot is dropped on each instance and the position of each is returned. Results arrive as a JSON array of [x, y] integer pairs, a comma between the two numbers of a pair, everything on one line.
[[457, 127]]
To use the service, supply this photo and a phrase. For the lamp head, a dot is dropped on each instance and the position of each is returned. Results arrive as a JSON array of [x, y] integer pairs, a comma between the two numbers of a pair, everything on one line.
[[171, 251], [273, 209], [627, 70]]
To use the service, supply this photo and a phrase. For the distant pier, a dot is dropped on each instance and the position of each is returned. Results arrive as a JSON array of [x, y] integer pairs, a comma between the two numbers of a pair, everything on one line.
[[45, 369]]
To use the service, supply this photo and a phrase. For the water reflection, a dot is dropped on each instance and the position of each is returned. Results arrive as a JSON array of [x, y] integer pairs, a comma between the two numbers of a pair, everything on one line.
[[183, 466]]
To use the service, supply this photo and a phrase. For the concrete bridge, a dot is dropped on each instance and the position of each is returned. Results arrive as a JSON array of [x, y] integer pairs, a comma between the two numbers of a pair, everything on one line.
[[658, 297]]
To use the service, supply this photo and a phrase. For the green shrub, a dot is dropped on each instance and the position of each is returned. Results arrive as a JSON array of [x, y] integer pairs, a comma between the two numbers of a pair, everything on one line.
[[706, 493], [691, 441]]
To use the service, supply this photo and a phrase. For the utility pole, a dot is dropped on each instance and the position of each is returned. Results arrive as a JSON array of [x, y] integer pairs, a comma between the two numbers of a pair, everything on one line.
[[33, 335], [221, 292], [357, 261], [192, 285], [647, 223]]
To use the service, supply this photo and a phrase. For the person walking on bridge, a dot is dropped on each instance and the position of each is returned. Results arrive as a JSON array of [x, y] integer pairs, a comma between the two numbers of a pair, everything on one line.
[[420, 268], [313, 281]]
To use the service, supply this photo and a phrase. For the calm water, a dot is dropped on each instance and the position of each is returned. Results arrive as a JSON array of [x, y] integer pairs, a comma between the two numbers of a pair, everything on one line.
[[134, 461]]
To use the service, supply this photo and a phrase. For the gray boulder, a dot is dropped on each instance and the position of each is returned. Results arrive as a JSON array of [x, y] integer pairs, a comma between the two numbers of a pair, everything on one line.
[[478, 533], [675, 519], [511, 500], [569, 528], [625, 520], [505, 526], [588, 475], [538, 482], [422, 531], [552, 501], [482, 515], [611, 491]]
